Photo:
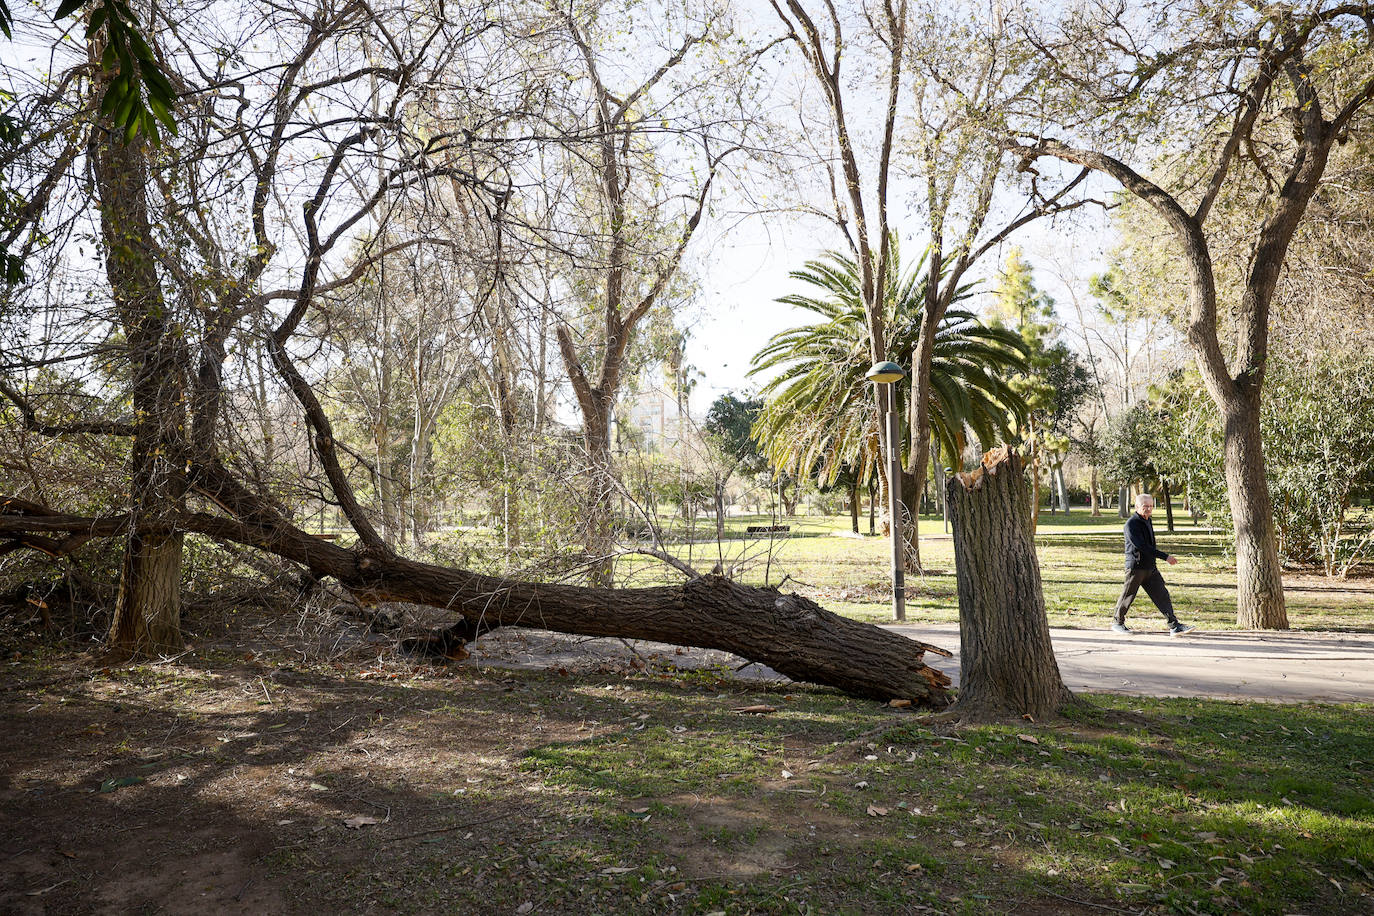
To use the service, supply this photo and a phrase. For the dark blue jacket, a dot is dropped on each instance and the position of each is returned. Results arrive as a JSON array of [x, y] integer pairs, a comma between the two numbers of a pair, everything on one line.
[[1141, 552]]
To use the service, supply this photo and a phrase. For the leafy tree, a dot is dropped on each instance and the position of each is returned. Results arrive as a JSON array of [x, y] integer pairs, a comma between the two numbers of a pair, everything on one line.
[[728, 425], [817, 414], [1319, 432], [1268, 90], [1054, 381], [731, 420]]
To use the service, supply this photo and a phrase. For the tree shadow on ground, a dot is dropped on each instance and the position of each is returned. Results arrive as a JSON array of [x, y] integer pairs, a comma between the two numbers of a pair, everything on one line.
[[225, 786]]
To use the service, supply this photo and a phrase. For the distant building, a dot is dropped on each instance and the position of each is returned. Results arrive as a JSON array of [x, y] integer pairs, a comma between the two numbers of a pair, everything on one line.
[[652, 420]]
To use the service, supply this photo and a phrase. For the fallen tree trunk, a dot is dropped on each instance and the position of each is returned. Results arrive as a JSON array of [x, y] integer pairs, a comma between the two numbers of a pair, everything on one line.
[[789, 633]]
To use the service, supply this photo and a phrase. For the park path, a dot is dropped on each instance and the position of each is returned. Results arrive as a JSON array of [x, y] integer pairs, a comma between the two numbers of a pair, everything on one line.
[[1291, 666], [1288, 666]]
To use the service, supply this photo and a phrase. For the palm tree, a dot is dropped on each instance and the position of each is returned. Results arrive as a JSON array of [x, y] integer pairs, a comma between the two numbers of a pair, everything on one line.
[[817, 415]]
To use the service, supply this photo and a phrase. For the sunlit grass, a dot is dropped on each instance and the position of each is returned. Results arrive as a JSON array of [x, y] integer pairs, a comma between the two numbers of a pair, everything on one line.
[[1143, 801], [1080, 565]]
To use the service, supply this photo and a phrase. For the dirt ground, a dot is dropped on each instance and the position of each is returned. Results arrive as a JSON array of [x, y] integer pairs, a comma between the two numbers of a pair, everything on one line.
[[308, 776], [231, 781]]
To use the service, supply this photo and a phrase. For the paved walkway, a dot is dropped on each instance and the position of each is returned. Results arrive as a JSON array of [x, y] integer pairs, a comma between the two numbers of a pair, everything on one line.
[[1287, 666]]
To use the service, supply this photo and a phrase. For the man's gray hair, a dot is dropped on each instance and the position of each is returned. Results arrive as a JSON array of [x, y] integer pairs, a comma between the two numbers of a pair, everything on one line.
[[1141, 498]]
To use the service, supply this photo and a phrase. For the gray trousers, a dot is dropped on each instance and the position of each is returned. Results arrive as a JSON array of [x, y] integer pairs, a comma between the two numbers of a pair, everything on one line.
[[1153, 583]]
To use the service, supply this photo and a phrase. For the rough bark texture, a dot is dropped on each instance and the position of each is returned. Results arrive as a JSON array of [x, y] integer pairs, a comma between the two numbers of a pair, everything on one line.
[[1007, 665], [1259, 583], [147, 613], [790, 634]]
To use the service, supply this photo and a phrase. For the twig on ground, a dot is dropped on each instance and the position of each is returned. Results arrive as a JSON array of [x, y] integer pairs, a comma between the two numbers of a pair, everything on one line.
[[477, 823], [1100, 906]]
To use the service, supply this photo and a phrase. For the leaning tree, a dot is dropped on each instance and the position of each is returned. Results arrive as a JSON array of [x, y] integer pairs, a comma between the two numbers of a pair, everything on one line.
[[1262, 92]]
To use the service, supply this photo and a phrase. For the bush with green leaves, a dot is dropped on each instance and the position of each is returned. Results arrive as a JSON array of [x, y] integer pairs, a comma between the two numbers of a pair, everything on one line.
[[1318, 427]]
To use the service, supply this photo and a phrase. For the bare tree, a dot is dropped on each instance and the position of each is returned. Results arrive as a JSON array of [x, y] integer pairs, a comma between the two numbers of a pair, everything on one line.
[[637, 234], [328, 165]]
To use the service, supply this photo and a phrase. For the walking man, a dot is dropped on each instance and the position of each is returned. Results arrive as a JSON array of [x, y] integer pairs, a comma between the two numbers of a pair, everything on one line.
[[1142, 570]]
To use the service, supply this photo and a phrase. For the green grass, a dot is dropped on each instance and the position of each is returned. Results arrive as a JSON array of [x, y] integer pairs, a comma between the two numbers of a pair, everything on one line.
[[1080, 568], [1145, 802]]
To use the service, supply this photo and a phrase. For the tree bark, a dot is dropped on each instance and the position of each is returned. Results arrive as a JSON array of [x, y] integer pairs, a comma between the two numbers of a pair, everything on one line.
[[911, 511], [147, 614], [872, 504], [1259, 582], [1007, 665], [600, 539], [722, 480]]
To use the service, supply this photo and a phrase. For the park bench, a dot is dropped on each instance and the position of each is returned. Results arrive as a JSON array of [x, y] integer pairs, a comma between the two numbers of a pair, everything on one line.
[[768, 529]]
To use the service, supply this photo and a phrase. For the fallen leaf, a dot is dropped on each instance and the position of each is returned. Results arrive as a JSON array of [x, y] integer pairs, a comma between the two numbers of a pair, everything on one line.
[[526, 907], [1029, 739], [41, 891], [120, 782], [758, 709], [914, 866], [959, 843], [899, 704], [616, 870], [786, 774], [360, 820], [877, 811]]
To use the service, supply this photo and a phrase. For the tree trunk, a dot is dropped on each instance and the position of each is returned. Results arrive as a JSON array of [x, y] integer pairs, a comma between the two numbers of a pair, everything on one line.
[[872, 504], [911, 511], [937, 468], [1168, 504], [854, 504], [1062, 487], [1007, 665], [600, 520], [147, 614], [720, 510], [790, 496], [1259, 581], [789, 633], [1123, 502], [1094, 497]]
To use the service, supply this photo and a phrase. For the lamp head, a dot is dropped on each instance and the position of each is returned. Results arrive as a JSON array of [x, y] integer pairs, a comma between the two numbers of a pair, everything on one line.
[[885, 373]]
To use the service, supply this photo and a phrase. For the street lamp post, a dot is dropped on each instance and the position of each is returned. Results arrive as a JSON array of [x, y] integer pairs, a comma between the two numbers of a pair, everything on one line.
[[884, 375]]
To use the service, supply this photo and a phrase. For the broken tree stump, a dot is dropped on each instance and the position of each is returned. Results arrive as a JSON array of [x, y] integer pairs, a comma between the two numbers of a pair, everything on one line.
[[1007, 665]]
